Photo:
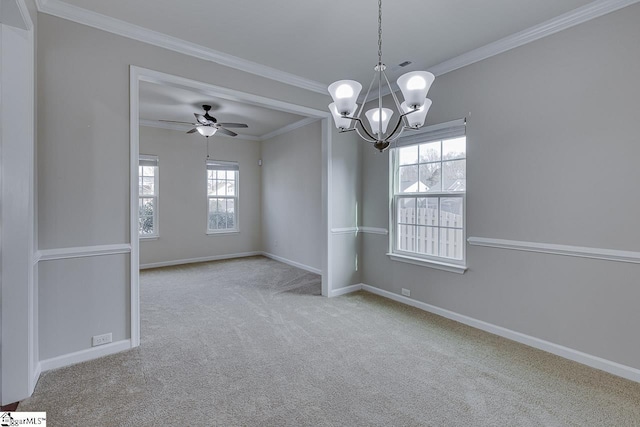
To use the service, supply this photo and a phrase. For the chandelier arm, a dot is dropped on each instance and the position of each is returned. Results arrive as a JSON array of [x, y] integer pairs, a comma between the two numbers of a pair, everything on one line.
[[372, 138], [395, 99], [395, 129], [370, 141]]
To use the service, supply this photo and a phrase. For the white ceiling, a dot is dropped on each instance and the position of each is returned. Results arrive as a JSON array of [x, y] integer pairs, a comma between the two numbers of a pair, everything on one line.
[[159, 102], [333, 39], [323, 41]]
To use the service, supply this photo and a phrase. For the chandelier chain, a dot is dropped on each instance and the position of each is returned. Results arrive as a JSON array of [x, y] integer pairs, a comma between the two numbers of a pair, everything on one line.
[[380, 32]]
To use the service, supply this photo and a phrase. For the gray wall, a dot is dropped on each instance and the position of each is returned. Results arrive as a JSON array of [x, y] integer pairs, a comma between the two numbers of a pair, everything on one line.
[[182, 207], [292, 196], [552, 157], [83, 164]]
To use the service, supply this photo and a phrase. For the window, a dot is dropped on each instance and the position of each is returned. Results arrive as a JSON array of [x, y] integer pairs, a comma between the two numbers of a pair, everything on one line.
[[428, 195], [148, 196], [222, 196]]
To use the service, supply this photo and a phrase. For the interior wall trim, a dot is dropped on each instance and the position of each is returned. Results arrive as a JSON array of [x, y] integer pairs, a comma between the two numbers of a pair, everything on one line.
[[570, 19], [195, 260], [294, 264], [81, 252], [614, 368], [116, 26], [373, 230], [84, 355], [549, 248], [345, 230]]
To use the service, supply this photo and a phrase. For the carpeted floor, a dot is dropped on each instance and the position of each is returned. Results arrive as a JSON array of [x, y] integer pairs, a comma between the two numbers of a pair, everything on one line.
[[250, 342]]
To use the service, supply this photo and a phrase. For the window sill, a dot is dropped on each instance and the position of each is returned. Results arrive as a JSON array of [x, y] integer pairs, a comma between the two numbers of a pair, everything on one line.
[[454, 268], [156, 237], [214, 233]]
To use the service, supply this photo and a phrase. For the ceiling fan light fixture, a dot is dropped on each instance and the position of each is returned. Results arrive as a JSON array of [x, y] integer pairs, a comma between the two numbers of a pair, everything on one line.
[[206, 130]]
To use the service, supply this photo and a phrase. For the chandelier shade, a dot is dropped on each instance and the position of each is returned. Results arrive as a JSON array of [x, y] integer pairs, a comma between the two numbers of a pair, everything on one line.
[[341, 122], [345, 94], [379, 119], [416, 120], [412, 113], [414, 86]]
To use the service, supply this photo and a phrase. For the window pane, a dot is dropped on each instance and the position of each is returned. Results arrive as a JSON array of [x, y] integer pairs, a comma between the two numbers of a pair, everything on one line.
[[454, 148], [430, 152], [145, 216], [409, 155], [451, 212], [406, 238], [222, 187], [148, 186], [230, 213], [211, 174], [451, 243], [407, 210], [221, 174], [148, 171], [427, 240], [427, 211], [455, 175], [231, 188], [430, 177], [140, 191], [409, 179], [211, 187]]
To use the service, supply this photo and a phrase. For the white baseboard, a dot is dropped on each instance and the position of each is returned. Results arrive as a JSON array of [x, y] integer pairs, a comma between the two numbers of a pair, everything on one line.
[[194, 260], [293, 263], [614, 368], [34, 379], [345, 290], [84, 355]]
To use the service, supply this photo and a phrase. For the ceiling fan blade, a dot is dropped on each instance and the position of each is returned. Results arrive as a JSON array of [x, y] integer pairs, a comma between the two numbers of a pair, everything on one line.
[[233, 125], [226, 131], [192, 130], [201, 119], [173, 121]]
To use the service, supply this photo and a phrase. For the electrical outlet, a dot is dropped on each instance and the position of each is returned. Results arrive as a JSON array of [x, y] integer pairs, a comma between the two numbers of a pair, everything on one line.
[[406, 292], [102, 339]]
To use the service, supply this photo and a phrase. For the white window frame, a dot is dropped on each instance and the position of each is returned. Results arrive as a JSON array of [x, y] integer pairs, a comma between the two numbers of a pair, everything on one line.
[[218, 165], [439, 132], [150, 160]]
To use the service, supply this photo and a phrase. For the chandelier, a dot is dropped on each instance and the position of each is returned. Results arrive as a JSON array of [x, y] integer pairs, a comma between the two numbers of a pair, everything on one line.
[[411, 113]]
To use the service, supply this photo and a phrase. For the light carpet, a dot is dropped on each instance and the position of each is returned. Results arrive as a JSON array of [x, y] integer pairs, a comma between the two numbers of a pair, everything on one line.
[[249, 342]]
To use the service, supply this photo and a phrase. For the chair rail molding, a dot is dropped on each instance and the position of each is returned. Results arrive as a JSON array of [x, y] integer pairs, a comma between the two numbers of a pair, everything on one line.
[[81, 252], [554, 249]]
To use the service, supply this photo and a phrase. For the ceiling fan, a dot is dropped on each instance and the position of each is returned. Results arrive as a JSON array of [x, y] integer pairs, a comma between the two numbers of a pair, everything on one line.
[[207, 125]]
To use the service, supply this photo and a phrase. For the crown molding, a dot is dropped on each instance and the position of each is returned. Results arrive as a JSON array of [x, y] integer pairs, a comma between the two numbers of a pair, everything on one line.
[[73, 13], [570, 19], [183, 128], [96, 20]]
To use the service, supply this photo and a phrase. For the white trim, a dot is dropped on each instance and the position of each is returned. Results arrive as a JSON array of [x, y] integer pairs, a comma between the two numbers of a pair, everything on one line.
[[548, 248], [423, 262], [289, 128], [195, 260], [134, 153], [35, 377], [346, 290], [183, 128], [292, 263], [82, 252], [572, 18], [614, 368], [327, 206], [345, 230], [135, 32], [373, 230], [84, 355]]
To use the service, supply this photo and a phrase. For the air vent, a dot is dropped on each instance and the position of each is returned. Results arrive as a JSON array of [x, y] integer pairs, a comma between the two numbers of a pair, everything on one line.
[[404, 64]]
